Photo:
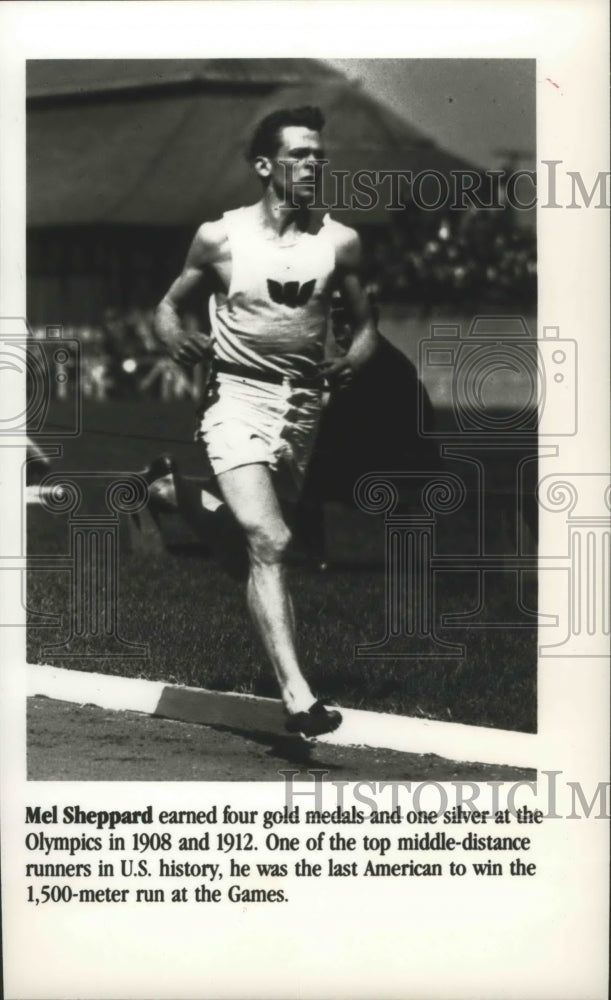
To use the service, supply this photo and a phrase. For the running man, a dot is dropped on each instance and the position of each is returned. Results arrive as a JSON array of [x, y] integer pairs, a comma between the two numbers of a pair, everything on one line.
[[271, 269]]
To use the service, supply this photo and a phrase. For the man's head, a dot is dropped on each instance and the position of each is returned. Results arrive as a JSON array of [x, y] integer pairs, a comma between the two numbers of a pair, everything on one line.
[[286, 152]]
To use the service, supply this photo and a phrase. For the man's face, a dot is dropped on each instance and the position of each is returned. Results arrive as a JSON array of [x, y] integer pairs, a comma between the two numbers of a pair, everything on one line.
[[294, 170]]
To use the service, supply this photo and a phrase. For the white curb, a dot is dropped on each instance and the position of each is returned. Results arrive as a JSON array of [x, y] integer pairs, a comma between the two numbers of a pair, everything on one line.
[[251, 713]]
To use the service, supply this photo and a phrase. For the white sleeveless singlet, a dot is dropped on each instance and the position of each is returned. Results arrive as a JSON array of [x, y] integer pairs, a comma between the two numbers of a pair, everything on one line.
[[274, 317]]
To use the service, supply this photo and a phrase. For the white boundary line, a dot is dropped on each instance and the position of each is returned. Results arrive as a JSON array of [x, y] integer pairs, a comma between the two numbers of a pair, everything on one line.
[[250, 713]]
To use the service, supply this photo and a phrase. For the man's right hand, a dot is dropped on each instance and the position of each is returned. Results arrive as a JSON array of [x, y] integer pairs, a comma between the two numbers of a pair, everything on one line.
[[187, 347], [194, 348]]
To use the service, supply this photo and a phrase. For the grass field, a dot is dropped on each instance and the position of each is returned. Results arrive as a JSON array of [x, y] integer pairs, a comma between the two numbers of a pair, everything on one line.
[[195, 624]]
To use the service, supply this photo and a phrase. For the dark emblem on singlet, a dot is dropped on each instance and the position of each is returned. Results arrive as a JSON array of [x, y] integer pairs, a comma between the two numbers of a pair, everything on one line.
[[291, 294]]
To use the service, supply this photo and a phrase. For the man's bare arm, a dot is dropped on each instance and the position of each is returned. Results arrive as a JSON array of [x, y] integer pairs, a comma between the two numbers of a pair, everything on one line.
[[358, 308], [188, 350]]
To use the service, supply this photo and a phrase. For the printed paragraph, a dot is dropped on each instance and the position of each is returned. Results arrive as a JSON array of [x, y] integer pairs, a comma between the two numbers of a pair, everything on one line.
[[231, 855]]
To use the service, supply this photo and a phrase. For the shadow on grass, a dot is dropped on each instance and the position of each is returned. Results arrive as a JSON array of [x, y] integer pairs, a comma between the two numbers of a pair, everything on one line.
[[196, 627]]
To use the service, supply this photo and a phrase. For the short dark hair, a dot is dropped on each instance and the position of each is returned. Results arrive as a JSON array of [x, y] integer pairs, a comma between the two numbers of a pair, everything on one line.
[[266, 137]]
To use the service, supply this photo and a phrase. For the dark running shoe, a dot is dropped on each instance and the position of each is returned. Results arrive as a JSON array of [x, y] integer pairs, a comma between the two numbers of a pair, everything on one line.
[[317, 721], [159, 477], [169, 491], [160, 467]]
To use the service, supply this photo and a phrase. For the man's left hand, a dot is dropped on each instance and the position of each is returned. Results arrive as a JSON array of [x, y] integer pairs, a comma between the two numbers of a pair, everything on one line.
[[339, 372]]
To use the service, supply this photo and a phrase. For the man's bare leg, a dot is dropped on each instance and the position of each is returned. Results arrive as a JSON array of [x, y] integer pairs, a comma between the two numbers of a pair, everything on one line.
[[249, 535], [250, 495]]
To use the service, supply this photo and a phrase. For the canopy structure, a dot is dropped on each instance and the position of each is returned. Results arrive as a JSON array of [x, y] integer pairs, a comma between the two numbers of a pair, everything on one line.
[[163, 142], [73, 78], [127, 157]]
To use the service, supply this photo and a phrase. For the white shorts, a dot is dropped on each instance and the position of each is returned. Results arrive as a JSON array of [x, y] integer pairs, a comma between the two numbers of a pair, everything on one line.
[[250, 421]]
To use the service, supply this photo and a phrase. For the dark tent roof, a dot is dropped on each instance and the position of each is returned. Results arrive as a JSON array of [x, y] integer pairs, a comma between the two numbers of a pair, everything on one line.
[[73, 77], [161, 142]]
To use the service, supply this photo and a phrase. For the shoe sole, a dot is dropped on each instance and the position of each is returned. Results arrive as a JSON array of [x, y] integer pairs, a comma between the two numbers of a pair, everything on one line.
[[334, 723]]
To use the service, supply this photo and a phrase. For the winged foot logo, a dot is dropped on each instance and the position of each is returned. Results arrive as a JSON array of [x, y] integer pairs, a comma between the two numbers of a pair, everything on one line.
[[290, 294]]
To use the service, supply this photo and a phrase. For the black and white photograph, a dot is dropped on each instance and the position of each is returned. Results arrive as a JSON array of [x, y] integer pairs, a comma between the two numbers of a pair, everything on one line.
[[300, 392], [306, 530]]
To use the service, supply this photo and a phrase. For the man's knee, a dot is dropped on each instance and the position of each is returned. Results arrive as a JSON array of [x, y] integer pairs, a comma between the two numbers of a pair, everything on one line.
[[268, 543]]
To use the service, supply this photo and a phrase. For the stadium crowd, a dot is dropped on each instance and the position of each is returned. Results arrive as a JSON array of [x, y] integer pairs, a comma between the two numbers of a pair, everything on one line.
[[485, 261]]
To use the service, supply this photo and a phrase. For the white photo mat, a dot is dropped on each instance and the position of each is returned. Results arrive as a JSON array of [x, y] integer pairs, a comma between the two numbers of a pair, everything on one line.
[[541, 938]]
